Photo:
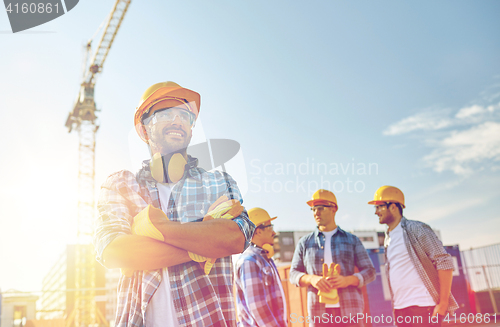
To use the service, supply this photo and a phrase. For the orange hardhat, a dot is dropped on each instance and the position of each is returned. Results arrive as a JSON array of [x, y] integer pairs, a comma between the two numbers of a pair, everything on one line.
[[164, 94], [388, 194], [322, 197], [259, 216]]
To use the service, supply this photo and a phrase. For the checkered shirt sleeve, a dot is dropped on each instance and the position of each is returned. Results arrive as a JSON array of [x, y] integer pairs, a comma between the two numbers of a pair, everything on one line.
[[428, 255], [259, 298], [120, 199], [199, 299], [348, 252]]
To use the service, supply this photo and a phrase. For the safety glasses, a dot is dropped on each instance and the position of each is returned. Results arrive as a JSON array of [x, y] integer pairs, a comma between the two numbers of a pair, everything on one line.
[[380, 206], [320, 208], [168, 115]]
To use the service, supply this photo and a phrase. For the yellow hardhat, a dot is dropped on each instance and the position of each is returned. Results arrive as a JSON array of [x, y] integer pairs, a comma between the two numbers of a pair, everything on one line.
[[322, 197], [388, 194], [259, 216], [172, 94]]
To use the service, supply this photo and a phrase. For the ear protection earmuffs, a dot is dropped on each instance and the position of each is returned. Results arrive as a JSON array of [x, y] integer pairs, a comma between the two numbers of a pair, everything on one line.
[[270, 250], [168, 168]]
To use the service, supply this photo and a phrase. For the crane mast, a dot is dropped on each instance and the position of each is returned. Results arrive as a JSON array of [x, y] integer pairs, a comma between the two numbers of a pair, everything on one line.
[[82, 118]]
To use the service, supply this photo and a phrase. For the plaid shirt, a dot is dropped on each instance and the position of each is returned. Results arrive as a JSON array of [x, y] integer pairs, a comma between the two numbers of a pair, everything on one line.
[[259, 297], [199, 300], [428, 256], [347, 251]]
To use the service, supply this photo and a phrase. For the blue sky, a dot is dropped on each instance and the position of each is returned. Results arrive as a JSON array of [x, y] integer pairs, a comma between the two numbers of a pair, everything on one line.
[[410, 89]]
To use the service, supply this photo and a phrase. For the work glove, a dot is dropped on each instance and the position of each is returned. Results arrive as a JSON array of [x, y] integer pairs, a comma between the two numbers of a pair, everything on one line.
[[221, 208], [331, 297], [142, 225]]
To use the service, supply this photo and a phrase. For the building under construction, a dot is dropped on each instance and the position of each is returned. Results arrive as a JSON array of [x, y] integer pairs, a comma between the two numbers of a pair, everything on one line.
[[58, 300]]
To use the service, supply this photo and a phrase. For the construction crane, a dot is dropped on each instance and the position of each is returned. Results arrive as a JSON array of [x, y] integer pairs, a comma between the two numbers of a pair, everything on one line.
[[83, 119]]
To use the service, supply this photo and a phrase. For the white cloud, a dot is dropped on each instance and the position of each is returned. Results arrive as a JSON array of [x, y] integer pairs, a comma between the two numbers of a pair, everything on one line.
[[462, 151], [493, 107], [447, 210], [477, 111], [470, 111], [432, 120], [428, 120], [438, 188], [462, 141]]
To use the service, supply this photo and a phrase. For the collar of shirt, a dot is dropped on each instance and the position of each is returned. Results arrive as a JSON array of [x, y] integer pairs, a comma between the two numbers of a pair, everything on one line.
[[403, 222], [257, 249], [143, 176], [317, 232]]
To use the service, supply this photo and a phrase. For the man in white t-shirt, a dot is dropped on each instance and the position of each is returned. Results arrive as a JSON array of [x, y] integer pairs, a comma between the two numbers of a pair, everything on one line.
[[331, 244], [418, 267], [167, 278]]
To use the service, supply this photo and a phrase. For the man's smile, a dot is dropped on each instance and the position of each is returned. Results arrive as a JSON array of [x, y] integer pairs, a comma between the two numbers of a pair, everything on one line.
[[174, 132]]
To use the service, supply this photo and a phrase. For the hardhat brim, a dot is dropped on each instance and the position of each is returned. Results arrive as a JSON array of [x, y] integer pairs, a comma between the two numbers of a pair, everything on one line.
[[320, 202], [260, 223], [176, 92], [373, 202]]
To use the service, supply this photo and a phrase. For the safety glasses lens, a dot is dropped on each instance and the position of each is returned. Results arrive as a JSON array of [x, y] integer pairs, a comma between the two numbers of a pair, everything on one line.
[[168, 115]]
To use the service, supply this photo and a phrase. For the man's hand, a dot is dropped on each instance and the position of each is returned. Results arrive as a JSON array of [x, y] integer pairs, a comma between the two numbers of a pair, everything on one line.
[[321, 283], [343, 281], [445, 279], [440, 308], [332, 296], [222, 208]]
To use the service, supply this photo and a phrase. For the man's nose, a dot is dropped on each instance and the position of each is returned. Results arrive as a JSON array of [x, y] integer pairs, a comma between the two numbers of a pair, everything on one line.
[[177, 120]]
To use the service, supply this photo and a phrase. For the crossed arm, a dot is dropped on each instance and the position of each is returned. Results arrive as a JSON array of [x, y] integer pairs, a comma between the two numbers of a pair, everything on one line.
[[118, 248], [204, 238]]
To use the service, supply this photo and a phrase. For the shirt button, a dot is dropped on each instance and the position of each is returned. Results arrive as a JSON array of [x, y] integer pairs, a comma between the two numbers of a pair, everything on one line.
[[321, 259], [321, 247]]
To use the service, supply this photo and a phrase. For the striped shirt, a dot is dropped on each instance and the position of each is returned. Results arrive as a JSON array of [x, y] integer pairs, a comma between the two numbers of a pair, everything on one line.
[[348, 252], [199, 300], [259, 295], [427, 255]]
